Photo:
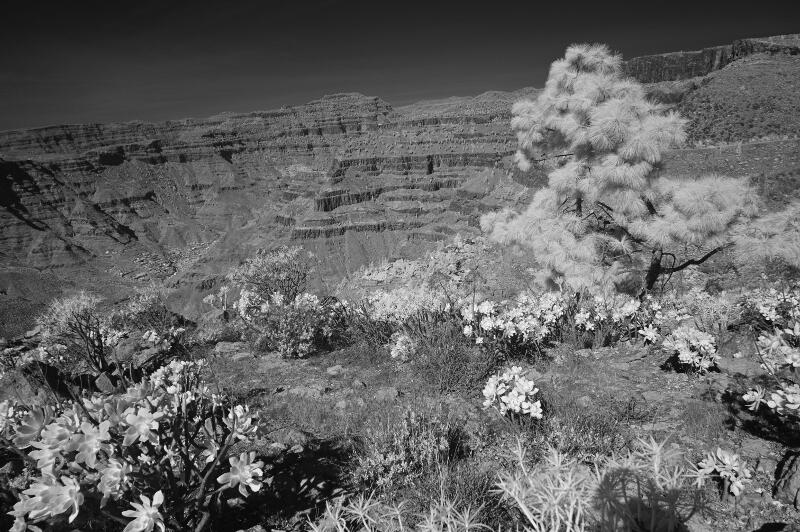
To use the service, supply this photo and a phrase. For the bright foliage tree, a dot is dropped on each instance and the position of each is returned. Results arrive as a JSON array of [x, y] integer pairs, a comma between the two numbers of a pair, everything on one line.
[[608, 216]]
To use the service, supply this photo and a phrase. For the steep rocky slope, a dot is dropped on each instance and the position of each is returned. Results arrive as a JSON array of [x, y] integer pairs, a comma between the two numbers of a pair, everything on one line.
[[348, 176], [684, 65]]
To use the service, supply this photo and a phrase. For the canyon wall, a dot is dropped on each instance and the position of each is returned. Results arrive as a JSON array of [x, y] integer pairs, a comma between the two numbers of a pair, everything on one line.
[[676, 66], [347, 176]]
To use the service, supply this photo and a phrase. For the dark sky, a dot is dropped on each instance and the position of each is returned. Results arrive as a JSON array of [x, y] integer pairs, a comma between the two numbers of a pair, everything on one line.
[[100, 61]]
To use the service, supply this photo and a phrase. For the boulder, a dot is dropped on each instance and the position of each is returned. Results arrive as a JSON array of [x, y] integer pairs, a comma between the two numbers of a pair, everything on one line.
[[141, 357], [104, 383], [787, 485], [126, 349]]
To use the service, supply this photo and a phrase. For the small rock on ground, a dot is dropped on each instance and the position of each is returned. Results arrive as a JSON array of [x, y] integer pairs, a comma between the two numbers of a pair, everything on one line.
[[333, 371]]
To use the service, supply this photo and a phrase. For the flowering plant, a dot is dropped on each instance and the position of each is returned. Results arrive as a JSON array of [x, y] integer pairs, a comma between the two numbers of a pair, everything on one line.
[[772, 307], [515, 327], [695, 350], [512, 392], [402, 347], [655, 317], [727, 468], [597, 320], [101, 453]]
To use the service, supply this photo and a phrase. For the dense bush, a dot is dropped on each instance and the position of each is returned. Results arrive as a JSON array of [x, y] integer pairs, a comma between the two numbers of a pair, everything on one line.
[[281, 271], [395, 456], [443, 357], [147, 310], [273, 306], [293, 328]]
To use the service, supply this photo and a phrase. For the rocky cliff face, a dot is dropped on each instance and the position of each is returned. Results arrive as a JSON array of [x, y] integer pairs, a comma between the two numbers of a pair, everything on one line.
[[684, 65], [347, 176]]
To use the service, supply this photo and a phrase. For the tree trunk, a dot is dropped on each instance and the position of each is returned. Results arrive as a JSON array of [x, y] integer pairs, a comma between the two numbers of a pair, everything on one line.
[[653, 271]]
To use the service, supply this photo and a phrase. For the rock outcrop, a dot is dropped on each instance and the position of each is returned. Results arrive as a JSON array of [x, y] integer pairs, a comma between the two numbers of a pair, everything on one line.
[[684, 65]]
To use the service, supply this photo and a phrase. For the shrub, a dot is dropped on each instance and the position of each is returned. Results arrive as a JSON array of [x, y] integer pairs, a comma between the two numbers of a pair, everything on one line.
[[147, 310], [394, 456], [283, 271], [712, 314], [75, 337], [692, 350], [366, 514], [162, 446], [273, 306], [444, 358], [402, 304], [650, 486], [361, 324], [590, 434], [294, 328]]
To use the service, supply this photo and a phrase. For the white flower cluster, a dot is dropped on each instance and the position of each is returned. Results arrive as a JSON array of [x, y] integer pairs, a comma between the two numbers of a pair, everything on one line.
[[694, 348], [511, 391], [610, 310], [527, 320], [402, 347], [166, 427], [654, 317], [727, 467]]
